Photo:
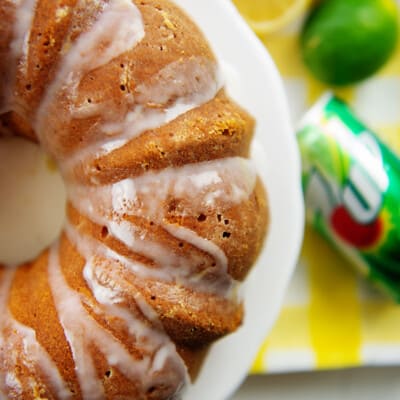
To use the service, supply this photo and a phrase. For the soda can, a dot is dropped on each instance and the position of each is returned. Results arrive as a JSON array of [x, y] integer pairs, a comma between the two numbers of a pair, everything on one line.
[[351, 183]]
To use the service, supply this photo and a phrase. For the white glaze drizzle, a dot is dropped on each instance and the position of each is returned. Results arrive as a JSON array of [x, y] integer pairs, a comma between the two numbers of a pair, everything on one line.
[[118, 28], [200, 187], [19, 49], [178, 88], [20, 346], [22, 29], [82, 330]]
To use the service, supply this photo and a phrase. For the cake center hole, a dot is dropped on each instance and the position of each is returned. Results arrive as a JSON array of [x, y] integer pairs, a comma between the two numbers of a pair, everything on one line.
[[32, 201]]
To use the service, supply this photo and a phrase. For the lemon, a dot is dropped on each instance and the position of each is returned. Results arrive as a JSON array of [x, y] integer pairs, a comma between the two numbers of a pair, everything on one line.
[[346, 41], [267, 16]]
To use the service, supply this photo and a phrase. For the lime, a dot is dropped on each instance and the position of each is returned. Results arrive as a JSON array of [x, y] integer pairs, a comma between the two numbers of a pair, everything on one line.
[[346, 41], [267, 16]]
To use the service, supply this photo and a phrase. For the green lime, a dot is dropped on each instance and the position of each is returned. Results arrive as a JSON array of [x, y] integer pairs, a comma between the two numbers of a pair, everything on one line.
[[346, 41]]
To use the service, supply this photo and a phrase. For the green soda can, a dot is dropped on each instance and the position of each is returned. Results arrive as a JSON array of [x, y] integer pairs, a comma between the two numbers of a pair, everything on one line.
[[351, 183]]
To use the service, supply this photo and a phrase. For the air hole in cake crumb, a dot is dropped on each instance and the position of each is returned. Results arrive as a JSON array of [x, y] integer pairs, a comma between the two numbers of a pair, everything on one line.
[[37, 66], [226, 234], [226, 222], [225, 132], [122, 65], [180, 244], [151, 389], [28, 86], [173, 205], [104, 232], [201, 218], [213, 264], [89, 100], [122, 87], [108, 373], [153, 297], [46, 43], [151, 223], [219, 217]]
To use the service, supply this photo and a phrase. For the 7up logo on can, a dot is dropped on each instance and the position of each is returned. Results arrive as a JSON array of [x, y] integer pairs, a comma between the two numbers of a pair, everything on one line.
[[351, 185]]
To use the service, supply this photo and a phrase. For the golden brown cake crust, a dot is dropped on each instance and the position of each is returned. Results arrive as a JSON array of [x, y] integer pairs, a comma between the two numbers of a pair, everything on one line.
[[165, 213]]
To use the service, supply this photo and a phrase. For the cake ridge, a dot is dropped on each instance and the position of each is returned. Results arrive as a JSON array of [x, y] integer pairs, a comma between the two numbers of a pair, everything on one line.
[[146, 112], [81, 330], [18, 46], [123, 19], [30, 353]]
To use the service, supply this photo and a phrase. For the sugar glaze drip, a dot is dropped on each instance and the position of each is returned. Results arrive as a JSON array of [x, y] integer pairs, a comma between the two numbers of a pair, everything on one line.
[[204, 186], [24, 12], [82, 331], [19, 346], [154, 104], [93, 49]]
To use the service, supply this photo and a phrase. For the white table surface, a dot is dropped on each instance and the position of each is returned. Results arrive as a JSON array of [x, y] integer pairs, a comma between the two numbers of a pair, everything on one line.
[[382, 383]]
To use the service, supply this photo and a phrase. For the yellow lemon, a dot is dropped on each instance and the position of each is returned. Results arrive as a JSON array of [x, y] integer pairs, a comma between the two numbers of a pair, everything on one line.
[[268, 16]]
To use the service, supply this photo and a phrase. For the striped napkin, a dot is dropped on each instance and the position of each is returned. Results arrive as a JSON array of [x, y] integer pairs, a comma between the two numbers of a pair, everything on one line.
[[331, 318]]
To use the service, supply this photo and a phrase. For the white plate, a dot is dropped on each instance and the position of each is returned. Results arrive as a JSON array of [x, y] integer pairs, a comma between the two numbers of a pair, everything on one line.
[[255, 84]]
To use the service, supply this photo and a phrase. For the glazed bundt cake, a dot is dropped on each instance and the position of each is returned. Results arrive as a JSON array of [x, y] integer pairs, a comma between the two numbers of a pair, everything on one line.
[[165, 212]]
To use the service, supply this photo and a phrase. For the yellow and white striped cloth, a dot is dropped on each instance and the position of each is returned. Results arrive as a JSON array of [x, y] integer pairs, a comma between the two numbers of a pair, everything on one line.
[[331, 318]]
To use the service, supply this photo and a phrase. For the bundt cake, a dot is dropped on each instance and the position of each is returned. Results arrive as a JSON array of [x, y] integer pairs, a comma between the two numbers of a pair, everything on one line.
[[165, 212]]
